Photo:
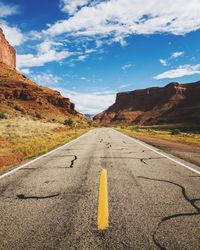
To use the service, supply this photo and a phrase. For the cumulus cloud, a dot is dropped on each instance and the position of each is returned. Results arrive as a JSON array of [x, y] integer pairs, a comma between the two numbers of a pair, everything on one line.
[[121, 18], [89, 103], [47, 45], [13, 34], [46, 78], [30, 60], [71, 6], [183, 70], [46, 52], [8, 9]]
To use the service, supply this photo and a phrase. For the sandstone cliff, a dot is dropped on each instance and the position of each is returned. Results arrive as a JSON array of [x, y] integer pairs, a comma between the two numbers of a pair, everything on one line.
[[7, 52], [20, 96], [174, 103]]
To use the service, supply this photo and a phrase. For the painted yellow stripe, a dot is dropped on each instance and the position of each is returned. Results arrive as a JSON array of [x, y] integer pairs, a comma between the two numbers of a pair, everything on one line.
[[103, 202]]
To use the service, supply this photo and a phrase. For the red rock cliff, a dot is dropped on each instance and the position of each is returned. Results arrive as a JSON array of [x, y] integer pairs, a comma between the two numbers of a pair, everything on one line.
[[174, 103], [7, 52], [19, 96]]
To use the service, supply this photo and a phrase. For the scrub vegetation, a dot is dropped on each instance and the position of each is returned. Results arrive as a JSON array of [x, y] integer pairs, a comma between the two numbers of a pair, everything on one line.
[[183, 134], [23, 138]]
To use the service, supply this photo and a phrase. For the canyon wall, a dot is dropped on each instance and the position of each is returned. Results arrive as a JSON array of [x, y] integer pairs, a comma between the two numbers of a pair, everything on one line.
[[174, 103], [19, 96], [7, 52]]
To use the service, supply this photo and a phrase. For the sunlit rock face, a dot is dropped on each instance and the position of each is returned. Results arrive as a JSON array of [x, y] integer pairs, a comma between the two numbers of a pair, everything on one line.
[[7, 52], [174, 103]]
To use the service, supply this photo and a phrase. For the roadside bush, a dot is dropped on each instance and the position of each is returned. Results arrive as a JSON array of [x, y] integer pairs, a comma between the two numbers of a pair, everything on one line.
[[69, 122], [175, 131], [2, 115]]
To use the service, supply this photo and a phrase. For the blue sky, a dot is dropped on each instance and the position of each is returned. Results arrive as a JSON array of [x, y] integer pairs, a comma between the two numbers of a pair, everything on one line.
[[90, 49]]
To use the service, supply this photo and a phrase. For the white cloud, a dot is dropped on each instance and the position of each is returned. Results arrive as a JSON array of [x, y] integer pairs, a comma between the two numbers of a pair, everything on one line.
[[8, 9], [82, 58], [71, 6], [127, 66], [46, 78], [47, 45], [183, 70], [12, 34], [89, 103], [163, 62], [40, 59], [83, 78], [121, 40], [121, 18], [88, 51], [25, 71], [177, 54], [124, 86]]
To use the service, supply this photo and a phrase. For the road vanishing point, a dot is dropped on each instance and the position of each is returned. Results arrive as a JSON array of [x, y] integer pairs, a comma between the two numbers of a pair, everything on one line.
[[52, 201]]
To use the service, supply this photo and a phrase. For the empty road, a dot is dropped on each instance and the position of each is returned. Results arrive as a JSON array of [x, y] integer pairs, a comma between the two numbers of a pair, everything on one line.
[[51, 203]]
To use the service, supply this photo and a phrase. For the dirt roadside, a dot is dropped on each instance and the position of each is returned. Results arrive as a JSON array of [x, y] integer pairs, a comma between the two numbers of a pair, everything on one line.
[[186, 152]]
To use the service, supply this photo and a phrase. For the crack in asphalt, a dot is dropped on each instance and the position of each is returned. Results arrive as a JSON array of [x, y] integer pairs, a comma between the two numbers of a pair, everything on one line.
[[24, 197], [167, 218], [62, 156], [143, 160], [132, 153], [72, 161], [134, 158]]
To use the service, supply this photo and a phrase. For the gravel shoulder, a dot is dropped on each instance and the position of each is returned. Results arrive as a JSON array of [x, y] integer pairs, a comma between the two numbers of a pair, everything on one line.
[[184, 151]]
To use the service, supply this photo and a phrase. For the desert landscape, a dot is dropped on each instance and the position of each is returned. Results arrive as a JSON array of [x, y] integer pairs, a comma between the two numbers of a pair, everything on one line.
[[99, 125], [167, 117], [33, 119]]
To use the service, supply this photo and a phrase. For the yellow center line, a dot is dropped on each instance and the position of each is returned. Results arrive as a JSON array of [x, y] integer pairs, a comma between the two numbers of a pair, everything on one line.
[[103, 202]]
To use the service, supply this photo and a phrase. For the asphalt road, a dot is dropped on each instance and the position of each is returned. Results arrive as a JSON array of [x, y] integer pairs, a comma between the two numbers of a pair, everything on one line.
[[51, 203]]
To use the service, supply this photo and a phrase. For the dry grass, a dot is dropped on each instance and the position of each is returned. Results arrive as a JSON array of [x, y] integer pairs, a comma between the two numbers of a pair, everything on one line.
[[22, 138], [182, 134]]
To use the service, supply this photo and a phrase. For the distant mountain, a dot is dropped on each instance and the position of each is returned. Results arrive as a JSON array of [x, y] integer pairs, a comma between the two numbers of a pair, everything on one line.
[[89, 116], [174, 103]]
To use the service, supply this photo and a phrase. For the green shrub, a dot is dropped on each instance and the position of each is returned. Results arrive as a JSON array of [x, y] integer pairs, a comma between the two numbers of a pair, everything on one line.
[[175, 131], [2, 115], [69, 122]]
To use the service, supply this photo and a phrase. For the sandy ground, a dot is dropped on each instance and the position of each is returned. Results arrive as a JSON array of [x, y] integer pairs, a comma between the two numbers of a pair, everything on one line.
[[187, 152]]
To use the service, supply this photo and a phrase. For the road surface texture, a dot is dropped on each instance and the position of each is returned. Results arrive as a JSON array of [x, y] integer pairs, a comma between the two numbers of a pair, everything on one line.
[[51, 203]]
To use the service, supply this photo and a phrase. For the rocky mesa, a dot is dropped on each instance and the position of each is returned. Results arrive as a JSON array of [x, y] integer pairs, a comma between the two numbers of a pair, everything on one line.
[[173, 104], [20, 96], [7, 52]]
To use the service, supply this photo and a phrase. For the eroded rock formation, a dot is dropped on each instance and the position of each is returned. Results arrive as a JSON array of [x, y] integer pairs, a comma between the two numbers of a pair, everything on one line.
[[20, 96], [7, 52], [174, 103]]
